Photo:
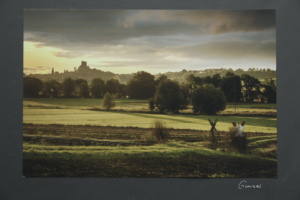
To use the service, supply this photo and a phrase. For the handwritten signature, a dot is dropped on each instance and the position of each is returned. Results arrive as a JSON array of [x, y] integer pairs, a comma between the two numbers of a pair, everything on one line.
[[243, 185]]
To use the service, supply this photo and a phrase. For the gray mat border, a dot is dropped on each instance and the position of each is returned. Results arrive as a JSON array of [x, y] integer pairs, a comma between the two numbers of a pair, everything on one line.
[[14, 186]]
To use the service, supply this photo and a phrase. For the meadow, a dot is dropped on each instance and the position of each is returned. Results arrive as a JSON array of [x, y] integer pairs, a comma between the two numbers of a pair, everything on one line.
[[77, 138]]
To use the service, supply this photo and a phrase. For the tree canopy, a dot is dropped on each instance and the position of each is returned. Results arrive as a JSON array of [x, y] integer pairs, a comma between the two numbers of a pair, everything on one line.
[[141, 86], [208, 99], [68, 87], [168, 97], [97, 88], [231, 86], [32, 87], [251, 87], [51, 88], [163, 89]]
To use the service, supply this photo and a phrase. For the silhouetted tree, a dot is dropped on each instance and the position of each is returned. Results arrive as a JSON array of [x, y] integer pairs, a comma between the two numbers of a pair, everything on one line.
[[32, 87], [160, 78], [207, 80], [193, 82], [141, 86], [97, 88], [269, 93], [216, 80], [231, 86], [186, 96], [78, 88], [151, 104], [168, 97], [68, 87], [194, 79], [208, 100], [52, 88], [112, 86], [84, 90], [122, 90], [251, 87]]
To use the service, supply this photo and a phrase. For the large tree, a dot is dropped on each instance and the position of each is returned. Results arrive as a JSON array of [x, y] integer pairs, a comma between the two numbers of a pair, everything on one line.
[[141, 86], [269, 92], [193, 82], [80, 89], [32, 87], [52, 88], [216, 80], [207, 80], [231, 86], [251, 87], [97, 88], [68, 87], [160, 78], [169, 97], [113, 86], [208, 99], [84, 90]]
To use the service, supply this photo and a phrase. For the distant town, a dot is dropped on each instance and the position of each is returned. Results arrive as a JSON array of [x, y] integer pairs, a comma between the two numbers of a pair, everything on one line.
[[83, 71]]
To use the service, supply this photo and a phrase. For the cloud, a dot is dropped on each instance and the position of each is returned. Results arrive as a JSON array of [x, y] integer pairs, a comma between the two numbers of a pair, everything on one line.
[[227, 50], [36, 69], [154, 38], [77, 27], [67, 54], [223, 21]]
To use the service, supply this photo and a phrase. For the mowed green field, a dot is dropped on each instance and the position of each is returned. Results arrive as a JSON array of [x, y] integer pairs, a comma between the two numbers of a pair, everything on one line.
[[80, 112]]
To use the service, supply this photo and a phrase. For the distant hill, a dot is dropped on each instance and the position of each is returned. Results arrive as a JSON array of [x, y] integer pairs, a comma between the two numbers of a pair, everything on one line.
[[86, 73], [83, 72], [257, 73]]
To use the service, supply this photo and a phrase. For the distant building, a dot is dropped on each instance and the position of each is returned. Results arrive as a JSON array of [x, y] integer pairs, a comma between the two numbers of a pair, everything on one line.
[[52, 72], [83, 66]]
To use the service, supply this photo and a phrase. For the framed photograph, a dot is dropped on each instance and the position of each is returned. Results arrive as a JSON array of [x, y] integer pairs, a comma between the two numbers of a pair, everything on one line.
[[160, 93], [149, 100]]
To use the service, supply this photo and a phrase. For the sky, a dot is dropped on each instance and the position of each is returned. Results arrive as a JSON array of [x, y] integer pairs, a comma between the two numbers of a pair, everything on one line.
[[155, 41]]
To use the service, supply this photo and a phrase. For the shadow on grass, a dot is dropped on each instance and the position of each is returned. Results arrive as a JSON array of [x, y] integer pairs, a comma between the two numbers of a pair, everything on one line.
[[158, 116]]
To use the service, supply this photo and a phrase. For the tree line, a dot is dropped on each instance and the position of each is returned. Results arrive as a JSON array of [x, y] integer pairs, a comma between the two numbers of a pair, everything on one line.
[[206, 94], [72, 88]]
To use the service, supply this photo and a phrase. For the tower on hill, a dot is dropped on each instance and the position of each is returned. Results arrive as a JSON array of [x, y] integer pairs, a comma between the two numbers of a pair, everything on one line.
[[83, 66]]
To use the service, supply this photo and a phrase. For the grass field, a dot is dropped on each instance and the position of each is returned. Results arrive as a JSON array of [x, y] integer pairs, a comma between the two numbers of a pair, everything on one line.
[[75, 138], [140, 105], [69, 111], [93, 151]]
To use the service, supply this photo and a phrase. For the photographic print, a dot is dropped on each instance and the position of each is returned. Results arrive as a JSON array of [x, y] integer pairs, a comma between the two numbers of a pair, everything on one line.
[[149, 93]]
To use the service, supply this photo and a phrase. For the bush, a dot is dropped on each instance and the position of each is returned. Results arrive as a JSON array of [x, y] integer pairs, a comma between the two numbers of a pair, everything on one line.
[[151, 104], [208, 100], [160, 132], [108, 101]]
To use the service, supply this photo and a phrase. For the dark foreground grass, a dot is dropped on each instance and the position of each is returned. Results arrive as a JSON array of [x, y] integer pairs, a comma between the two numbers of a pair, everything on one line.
[[187, 165], [95, 151]]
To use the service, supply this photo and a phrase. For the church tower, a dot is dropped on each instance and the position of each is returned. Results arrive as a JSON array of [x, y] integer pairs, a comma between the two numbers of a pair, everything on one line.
[[52, 72]]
